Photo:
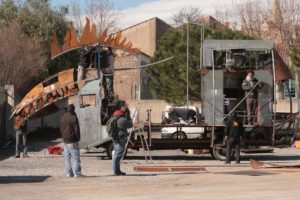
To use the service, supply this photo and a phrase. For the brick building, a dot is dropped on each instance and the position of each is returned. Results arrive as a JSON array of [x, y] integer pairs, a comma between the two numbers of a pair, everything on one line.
[[134, 84]]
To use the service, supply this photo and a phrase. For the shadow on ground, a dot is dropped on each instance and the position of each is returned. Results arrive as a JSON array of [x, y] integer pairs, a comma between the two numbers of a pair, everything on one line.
[[40, 139], [22, 179]]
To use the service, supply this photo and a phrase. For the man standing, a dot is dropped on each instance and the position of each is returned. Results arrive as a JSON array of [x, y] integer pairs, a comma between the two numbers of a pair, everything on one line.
[[108, 75], [85, 61], [21, 137], [124, 122], [233, 133], [251, 86], [69, 128]]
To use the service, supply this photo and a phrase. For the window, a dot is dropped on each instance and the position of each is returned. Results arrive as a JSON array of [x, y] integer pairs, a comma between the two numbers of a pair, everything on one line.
[[88, 100], [290, 85]]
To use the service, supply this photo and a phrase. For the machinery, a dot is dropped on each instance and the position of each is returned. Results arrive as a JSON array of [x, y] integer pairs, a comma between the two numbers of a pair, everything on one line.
[[225, 63]]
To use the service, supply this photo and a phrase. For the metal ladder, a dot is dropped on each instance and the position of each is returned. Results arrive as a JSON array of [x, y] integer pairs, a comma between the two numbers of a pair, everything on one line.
[[140, 130]]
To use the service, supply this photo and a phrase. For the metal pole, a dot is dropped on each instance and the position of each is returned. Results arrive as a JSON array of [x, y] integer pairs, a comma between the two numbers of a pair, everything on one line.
[[214, 101], [99, 59], [200, 50], [187, 65], [274, 97]]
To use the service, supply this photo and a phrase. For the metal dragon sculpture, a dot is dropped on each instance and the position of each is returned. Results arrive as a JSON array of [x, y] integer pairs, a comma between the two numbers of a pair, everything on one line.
[[40, 100]]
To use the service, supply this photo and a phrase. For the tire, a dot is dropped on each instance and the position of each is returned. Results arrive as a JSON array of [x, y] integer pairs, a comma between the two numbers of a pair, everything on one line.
[[179, 135], [219, 153]]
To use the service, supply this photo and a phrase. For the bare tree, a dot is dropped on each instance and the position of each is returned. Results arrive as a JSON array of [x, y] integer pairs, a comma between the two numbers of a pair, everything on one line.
[[100, 12], [76, 13], [260, 19], [22, 61], [186, 14]]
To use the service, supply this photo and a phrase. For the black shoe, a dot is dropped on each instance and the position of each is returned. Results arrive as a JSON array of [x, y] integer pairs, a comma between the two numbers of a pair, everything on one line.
[[227, 162], [17, 156], [120, 174]]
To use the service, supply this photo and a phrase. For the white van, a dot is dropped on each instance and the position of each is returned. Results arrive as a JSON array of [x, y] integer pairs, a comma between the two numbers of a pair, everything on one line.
[[181, 115]]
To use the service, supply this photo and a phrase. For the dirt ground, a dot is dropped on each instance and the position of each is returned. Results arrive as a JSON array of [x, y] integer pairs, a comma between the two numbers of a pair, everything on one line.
[[42, 176]]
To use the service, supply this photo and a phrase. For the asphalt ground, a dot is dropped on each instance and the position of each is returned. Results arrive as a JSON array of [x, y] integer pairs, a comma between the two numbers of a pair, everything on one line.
[[42, 176]]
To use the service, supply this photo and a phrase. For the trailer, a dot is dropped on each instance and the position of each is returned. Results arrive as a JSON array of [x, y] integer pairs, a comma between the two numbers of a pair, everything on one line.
[[225, 63]]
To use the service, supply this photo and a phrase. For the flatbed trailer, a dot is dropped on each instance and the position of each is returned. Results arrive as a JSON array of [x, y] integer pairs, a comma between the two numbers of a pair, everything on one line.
[[252, 141]]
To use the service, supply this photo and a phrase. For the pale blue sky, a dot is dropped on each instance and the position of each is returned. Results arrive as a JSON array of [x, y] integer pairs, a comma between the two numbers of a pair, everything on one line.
[[118, 4], [136, 11]]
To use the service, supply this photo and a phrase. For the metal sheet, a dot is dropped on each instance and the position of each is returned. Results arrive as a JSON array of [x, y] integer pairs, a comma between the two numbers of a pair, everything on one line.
[[209, 45], [207, 97], [265, 98], [282, 72], [89, 37], [92, 132]]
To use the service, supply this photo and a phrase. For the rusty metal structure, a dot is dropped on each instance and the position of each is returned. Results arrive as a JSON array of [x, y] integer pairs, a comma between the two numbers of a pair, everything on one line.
[[89, 37], [40, 100], [255, 164], [222, 74]]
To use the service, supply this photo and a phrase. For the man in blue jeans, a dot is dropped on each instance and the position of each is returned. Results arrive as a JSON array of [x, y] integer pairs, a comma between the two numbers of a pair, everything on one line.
[[21, 138], [69, 128], [124, 122]]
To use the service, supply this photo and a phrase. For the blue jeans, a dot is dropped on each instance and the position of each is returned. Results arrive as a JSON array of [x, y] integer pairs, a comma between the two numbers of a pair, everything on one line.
[[72, 151], [119, 147], [108, 85], [21, 135]]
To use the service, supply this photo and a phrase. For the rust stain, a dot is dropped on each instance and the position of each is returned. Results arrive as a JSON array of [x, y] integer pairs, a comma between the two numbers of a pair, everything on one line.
[[93, 36], [67, 40], [168, 168], [86, 35], [55, 49], [89, 37], [73, 41], [255, 164], [41, 96]]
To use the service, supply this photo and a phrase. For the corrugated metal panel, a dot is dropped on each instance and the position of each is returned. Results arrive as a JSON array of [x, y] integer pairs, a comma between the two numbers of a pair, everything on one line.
[[88, 109], [207, 97]]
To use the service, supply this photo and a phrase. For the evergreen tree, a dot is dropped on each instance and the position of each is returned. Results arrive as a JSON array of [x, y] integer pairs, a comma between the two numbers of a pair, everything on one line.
[[36, 21], [168, 79]]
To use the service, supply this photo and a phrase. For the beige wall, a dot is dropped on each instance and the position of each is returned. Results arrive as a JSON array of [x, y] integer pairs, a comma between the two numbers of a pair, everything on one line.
[[146, 34], [127, 83], [284, 106]]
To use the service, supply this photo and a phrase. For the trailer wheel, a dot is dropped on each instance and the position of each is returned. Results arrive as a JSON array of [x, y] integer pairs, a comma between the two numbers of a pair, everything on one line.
[[219, 153], [179, 135]]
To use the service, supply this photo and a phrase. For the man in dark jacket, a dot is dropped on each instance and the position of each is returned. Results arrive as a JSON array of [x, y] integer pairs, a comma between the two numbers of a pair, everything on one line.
[[124, 122], [69, 128], [85, 61], [233, 132], [250, 86]]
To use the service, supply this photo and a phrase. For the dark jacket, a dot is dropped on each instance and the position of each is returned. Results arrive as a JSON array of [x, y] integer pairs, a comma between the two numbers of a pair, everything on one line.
[[123, 124], [85, 57], [234, 128], [69, 128], [21, 124], [247, 86]]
